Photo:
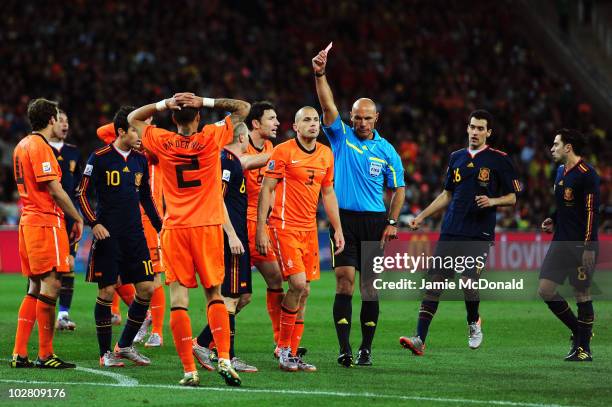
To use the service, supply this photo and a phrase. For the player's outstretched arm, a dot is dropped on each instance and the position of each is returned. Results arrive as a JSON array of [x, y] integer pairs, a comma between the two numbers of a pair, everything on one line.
[[262, 241], [441, 202], [253, 162], [330, 203], [234, 242], [324, 92], [62, 200]]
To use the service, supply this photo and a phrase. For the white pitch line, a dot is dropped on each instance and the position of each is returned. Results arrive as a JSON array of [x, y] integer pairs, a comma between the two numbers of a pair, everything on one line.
[[121, 379], [296, 392]]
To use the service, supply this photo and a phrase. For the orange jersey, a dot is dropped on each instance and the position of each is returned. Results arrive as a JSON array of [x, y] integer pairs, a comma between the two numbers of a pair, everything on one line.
[[191, 170], [155, 182], [106, 133], [33, 165], [301, 175], [254, 179]]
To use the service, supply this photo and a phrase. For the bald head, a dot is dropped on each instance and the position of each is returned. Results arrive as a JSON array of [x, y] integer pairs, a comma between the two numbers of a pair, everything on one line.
[[240, 129], [305, 111], [307, 123], [364, 104], [364, 117]]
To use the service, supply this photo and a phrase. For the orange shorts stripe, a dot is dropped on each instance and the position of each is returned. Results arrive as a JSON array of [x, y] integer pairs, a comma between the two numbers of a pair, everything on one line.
[[257, 258], [188, 252], [297, 252], [43, 249]]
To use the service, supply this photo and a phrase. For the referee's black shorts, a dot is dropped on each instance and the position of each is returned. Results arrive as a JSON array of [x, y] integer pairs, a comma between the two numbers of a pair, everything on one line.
[[358, 227]]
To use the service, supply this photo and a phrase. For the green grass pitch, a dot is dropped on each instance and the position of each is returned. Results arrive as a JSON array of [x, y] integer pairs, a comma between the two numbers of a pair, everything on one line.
[[520, 362]]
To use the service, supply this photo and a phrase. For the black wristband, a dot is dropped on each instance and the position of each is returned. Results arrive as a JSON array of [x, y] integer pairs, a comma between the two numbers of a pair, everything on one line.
[[319, 74]]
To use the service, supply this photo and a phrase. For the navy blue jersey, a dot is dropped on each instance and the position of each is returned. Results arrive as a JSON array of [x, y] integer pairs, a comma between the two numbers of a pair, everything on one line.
[[69, 159], [489, 172], [577, 197], [120, 185], [234, 193]]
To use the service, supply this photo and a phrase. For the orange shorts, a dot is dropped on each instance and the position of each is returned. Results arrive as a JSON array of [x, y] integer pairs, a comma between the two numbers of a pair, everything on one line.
[[190, 251], [297, 252], [43, 249], [257, 258], [153, 245]]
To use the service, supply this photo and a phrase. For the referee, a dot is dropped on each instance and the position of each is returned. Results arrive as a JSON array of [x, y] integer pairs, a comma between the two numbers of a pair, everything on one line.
[[364, 162]]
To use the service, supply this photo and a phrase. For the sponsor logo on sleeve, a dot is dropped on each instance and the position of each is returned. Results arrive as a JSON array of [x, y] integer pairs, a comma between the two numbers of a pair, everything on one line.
[[88, 170], [226, 175], [271, 165], [46, 167]]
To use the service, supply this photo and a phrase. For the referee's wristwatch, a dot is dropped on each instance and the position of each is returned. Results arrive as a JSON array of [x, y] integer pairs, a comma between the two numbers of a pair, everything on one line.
[[392, 222]]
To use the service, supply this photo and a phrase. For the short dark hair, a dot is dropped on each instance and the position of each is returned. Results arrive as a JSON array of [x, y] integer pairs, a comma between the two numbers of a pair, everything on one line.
[[185, 116], [573, 137], [40, 111], [481, 114], [257, 111], [120, 120]]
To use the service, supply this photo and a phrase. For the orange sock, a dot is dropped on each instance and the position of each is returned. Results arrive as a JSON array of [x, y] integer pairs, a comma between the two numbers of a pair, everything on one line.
[[127, 292], [180, 324], [25, 322], [274, 299], [287, 322], [296, 335], [218, 320], [45, 315], [115, 306], [158, 309]]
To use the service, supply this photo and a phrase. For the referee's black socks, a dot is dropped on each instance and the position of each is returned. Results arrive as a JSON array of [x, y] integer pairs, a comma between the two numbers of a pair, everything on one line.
[[343, 311], [369, 321], [562, 310]]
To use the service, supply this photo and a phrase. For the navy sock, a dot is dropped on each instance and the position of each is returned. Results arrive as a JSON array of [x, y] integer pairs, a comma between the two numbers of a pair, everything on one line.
[[104, 328], [562, 310], [426, 313], [343, 312], [232, 322], [136, 316], [65, 293], [586, 317], [472, 311]]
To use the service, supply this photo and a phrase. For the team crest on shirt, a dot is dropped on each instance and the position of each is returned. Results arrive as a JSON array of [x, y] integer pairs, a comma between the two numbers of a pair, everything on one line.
[[138, 178], [484, 174], [375, 168], [568, 194], [72, 165]]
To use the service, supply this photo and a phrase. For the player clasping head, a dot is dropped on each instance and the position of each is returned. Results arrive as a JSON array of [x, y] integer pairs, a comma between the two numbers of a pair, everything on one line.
[[479, 128]]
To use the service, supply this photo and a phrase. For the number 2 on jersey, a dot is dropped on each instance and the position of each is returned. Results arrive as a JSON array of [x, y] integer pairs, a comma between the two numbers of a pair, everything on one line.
[[181, 168]]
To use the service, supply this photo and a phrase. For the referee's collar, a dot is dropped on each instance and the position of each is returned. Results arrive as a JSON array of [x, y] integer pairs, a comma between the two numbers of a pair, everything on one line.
[[377, 137]]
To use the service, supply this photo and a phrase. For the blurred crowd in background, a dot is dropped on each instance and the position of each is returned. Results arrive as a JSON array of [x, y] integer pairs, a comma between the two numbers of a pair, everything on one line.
[[426, 64]]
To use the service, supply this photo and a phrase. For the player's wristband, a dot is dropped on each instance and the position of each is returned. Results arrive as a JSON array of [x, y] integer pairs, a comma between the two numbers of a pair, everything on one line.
[[319, 74], [208, 102], [161, 105]]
